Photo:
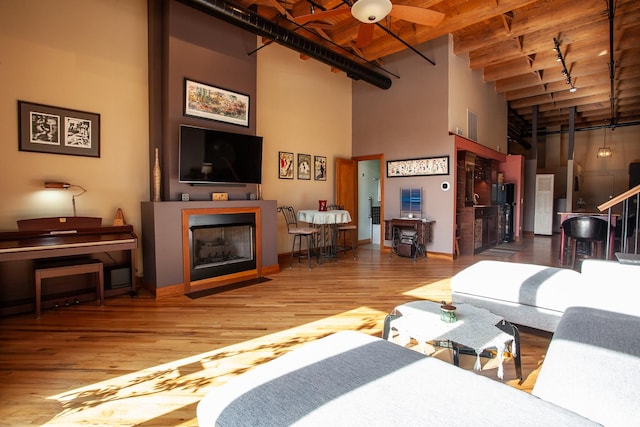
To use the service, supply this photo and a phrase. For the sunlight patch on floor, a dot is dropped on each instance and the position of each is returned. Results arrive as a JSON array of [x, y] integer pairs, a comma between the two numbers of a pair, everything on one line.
[[147, 394], [435, 291]]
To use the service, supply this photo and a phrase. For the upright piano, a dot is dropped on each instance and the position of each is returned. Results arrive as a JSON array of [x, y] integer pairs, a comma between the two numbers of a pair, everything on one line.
[[54, 238]]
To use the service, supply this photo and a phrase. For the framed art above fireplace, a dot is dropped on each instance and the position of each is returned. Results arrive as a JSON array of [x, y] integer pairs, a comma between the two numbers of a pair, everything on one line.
[[214, 103]]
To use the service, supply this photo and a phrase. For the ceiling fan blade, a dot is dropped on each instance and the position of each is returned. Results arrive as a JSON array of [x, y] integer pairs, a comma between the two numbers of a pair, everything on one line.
[[318, 16], [365, 35], [417, 15]]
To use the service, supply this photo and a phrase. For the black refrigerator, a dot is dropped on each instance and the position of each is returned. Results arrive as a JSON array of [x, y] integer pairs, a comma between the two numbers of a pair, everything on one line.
[[505, 195]]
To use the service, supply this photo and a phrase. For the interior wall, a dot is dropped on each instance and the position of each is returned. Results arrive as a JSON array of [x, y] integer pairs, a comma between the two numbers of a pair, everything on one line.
[[56, 53], [302, 107], [408, 121], [467, 90], [210, 51], [600, 179]]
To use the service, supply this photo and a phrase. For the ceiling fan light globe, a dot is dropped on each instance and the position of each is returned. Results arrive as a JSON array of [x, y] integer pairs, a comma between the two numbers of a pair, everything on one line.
[[371, 11]]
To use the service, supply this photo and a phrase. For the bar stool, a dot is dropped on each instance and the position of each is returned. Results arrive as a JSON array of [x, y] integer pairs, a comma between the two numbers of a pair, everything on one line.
[[309, 233], [344, 230], [586, 230]]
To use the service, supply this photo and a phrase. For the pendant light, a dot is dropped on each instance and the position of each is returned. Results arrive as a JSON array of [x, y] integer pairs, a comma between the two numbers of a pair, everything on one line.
[[604, 151]]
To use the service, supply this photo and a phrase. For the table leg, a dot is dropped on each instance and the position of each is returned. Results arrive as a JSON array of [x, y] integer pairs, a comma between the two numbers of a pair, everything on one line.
[[386, 331], [512, 330], [456, 353], [563, 246]]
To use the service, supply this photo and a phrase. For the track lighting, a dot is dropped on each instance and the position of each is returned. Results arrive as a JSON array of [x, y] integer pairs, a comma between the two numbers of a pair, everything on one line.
[[565, 72]]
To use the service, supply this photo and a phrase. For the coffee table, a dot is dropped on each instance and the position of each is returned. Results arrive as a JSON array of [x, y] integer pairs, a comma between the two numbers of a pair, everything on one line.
[[476, 328]]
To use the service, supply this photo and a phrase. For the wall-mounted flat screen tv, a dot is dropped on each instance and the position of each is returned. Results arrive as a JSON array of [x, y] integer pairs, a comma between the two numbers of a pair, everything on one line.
[[210, 156]]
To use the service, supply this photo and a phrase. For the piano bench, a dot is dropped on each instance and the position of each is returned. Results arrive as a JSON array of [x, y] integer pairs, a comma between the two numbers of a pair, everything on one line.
[[85, 266]]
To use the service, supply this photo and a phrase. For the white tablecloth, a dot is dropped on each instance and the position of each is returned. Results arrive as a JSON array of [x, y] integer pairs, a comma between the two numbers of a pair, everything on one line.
[[314, 216]]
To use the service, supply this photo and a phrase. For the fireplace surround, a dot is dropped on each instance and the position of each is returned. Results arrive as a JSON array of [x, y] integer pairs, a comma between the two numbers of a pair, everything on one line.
[[162, 239]]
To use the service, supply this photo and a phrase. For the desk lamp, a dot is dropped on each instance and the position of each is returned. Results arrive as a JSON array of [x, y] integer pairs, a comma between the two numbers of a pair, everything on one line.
[[66, 186]]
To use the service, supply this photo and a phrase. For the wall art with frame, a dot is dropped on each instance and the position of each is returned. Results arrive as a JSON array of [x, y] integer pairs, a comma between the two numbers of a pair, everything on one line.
[[285, 165], [209, 102], [304, 166], [425, 166], [56, 130], [320, 168]]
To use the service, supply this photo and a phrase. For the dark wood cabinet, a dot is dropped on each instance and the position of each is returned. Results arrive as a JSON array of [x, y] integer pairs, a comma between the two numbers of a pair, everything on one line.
[[485, 233]]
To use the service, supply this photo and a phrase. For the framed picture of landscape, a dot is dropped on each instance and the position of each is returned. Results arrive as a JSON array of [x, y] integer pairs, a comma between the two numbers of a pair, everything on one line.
[[214, 103]]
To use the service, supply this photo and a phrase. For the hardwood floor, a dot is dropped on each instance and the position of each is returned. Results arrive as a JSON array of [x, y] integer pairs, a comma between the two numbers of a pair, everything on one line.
[[148, 362]]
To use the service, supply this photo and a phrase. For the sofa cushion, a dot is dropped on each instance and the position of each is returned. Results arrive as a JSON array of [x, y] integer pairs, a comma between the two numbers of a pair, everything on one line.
[[352, 379], [592, 366], [550, 288], [607, 285]]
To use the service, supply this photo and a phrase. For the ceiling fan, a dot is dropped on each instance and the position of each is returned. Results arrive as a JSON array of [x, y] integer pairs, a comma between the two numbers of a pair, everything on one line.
[[368, 12]]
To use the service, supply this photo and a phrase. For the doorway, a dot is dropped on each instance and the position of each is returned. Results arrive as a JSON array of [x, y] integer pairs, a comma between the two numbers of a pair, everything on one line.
[[369, 201], [360, 189]]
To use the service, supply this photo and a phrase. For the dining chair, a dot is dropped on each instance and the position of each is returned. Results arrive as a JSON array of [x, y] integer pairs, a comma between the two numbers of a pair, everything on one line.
[[309, 233], [587, 230], [344, 230]]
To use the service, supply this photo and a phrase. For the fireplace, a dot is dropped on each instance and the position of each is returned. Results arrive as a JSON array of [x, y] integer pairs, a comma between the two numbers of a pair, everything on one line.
[[220, 246]]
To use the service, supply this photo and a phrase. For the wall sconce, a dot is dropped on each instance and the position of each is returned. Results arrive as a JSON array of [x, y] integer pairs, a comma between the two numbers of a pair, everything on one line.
[[66, 186], [604, 151]]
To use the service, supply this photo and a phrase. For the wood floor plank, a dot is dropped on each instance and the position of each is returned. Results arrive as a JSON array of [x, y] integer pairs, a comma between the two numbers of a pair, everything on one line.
[[148, 362]]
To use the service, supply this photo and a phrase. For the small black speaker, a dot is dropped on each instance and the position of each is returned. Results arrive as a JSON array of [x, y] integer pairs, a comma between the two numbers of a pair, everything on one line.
[[117, 277]]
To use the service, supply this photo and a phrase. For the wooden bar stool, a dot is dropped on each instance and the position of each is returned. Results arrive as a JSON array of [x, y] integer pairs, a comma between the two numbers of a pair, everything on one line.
[[51, 270]]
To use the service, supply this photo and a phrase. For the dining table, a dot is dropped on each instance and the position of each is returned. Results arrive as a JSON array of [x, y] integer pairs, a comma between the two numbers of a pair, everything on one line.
[[604, 216], [327, 221]]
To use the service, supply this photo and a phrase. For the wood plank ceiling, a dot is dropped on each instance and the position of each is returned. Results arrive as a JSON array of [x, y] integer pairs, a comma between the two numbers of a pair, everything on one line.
[[512, 42]]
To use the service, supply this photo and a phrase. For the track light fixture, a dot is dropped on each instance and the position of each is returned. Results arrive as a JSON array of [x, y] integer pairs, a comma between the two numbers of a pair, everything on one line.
[[565, 72]]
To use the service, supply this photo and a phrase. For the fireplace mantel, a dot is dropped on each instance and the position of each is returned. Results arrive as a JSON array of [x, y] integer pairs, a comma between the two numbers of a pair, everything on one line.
[[162, 243]]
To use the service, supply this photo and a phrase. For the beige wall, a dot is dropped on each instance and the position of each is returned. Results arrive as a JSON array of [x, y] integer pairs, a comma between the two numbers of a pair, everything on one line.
[[302, 107], [602, 178], [467, 90], [88, 55]]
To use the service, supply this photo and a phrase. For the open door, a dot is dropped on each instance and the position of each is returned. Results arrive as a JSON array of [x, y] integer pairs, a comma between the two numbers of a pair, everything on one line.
[[347, 186], [347, 191]]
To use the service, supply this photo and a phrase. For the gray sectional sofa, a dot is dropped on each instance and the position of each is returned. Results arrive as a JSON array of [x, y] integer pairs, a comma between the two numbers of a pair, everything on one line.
[[590, 376], [537, 296]]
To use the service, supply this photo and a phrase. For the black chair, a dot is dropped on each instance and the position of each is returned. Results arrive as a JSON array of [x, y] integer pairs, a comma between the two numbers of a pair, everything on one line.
[[309, 233], [586, 230]]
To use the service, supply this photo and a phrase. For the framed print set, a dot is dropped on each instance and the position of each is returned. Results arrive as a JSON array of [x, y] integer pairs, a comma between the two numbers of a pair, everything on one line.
[[214, 103], [425, 166], [304, 167], [56, 130]]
